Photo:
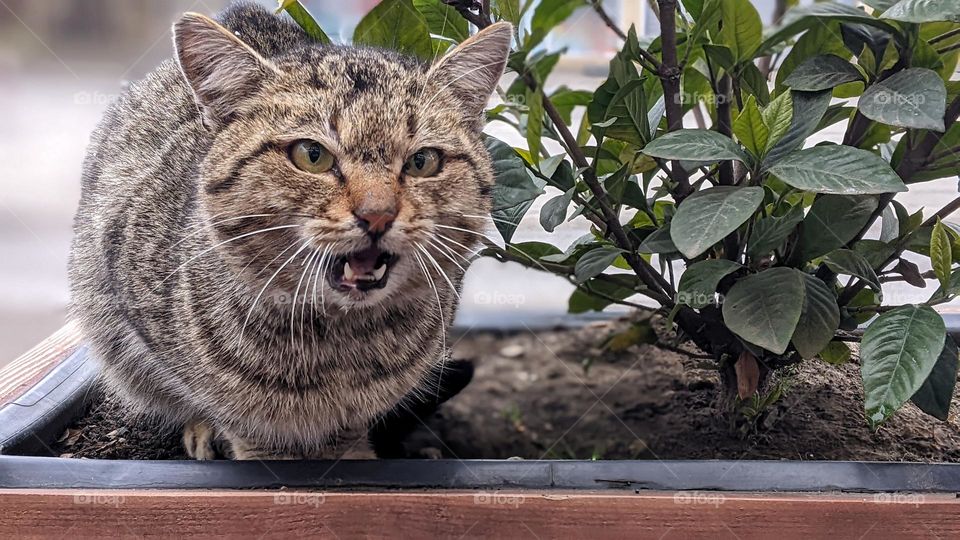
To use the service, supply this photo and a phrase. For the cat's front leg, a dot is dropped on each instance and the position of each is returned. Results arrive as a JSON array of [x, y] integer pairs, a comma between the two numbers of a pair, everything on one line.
[[349, 445], [199, 440]]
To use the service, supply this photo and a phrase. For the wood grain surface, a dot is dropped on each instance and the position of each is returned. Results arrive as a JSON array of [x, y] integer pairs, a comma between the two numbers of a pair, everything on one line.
[[458, 514], [22, 373]]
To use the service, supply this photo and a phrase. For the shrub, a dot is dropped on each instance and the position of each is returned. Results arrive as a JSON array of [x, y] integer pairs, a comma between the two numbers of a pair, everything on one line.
[[773, 234]]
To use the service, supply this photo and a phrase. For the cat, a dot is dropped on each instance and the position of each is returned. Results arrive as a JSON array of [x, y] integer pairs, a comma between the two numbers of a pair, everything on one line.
[[272, 232]]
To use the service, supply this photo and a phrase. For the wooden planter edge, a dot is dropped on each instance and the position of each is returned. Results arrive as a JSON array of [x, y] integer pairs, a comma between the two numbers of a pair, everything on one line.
[[504, 513]]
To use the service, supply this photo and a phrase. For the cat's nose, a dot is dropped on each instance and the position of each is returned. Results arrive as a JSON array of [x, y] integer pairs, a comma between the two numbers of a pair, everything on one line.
[[375, 223]]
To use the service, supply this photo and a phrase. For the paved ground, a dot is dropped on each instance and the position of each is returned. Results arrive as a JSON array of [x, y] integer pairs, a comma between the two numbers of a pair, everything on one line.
[[45, 128]]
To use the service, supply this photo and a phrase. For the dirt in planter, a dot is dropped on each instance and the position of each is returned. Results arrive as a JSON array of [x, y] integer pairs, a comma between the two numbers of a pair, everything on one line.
[[532, 397]]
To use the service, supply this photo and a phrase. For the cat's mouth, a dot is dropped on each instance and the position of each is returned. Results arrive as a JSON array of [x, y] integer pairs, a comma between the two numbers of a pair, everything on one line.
[[363, 270]]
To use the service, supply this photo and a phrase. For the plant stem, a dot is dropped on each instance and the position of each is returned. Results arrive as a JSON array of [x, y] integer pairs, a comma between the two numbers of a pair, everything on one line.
[[597, 6], [945, 50], [669, 72], [724, 126], [708, 333], [945, 36]]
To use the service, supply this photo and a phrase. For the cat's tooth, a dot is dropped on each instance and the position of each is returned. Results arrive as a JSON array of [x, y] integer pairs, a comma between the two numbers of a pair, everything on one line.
[[347, 271], [378, 273]]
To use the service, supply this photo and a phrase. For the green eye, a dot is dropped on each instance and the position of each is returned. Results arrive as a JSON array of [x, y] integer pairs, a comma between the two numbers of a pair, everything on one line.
[[311, 156], [425, 162]]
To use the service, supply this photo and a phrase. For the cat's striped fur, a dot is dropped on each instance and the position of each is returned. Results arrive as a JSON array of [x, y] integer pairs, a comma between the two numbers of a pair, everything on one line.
[[195, 232]]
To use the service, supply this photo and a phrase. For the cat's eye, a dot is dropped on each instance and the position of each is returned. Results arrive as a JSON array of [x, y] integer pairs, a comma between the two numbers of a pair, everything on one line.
[[424, 162], [311, 156]]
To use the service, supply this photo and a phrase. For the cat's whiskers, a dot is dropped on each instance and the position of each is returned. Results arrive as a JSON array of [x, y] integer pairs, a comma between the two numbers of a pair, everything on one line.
[[205, 224], [461, 229], [281, 254], [305, 268], [446, 251], [491, 218], [208, 250], [439, 268], [269, 281], [323, 270], [443, 329], [472, 251]]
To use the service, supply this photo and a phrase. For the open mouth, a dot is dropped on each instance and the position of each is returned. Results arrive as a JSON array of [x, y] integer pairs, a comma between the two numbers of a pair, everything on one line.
[[362, 270]]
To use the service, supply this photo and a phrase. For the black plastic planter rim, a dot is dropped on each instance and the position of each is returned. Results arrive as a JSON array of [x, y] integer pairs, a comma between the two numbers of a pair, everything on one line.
[[41, 414]]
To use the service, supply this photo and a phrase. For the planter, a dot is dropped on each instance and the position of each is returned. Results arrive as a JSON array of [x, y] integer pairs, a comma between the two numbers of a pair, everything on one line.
[[474, 497]]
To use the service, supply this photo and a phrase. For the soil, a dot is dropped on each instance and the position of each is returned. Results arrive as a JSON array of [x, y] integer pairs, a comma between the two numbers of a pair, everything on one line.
[[558, 394]]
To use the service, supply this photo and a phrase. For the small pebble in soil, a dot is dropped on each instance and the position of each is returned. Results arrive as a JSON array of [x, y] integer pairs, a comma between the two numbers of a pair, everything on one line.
[[512, 351]]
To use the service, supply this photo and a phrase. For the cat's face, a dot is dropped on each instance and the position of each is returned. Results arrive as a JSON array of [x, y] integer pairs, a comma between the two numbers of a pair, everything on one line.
[[339, 175]]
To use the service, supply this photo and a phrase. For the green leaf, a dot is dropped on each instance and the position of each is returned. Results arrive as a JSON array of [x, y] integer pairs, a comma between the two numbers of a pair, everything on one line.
[[595, 261], [802, 18], [620, 105], [397, 25], [508, 219], [443, 20], [935, 394], [941, 257], [898, 352], [913, 98], [554, 211], [695, 145], [820, 315], [305, 20], [619, 286], [750, 128], [851, 263], [534, 123], [833, 220], [533, 251], [821, 73], [565, 100], [808, 109], [836, 353], [698, 284], [764, 308], [742, 29], [837, 169], [507, 10], [820, 39], [947, 293], [659, 241], [707, 216], [754, 82], [921, 11], [777, 117], [770, 232], [549, 14], [514, 184]]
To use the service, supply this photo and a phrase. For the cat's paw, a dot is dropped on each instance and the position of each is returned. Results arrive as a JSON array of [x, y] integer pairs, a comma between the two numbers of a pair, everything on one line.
[[199, 441]]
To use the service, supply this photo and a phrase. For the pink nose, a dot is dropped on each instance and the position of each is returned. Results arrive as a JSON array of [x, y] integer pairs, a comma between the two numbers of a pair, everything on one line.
[[376, 223]]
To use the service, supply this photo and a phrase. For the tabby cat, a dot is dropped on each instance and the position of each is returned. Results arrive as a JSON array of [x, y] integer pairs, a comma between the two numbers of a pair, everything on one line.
[[272, 232]]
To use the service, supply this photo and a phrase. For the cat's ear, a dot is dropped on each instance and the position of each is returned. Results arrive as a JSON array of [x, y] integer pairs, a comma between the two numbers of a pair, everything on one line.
[[473, 69], [221, 69]]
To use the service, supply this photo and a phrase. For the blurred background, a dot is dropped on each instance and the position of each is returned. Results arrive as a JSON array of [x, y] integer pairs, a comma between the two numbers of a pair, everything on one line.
[[63, 61]]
